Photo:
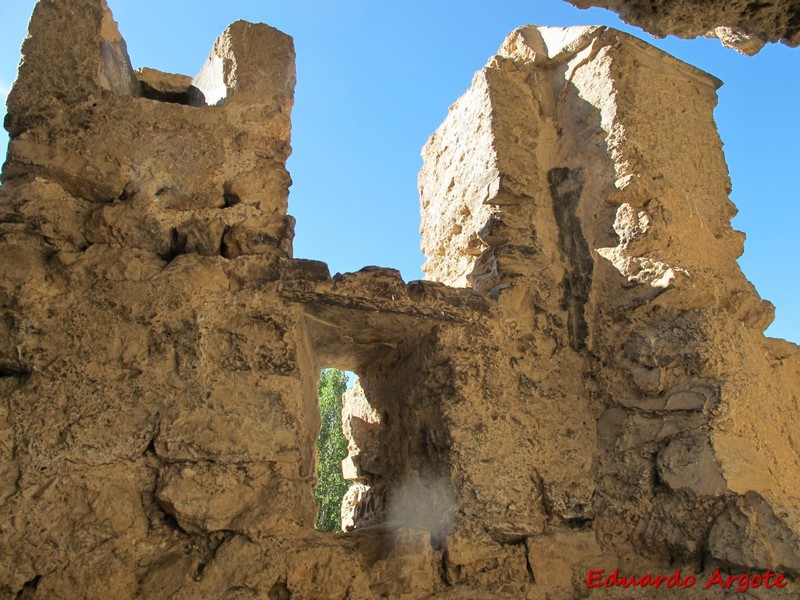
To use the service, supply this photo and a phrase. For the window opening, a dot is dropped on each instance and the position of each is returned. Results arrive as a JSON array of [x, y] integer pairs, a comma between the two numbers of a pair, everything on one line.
[[331, 448]]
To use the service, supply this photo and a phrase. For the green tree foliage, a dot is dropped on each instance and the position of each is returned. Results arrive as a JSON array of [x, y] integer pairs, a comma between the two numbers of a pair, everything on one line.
[[331, 450]]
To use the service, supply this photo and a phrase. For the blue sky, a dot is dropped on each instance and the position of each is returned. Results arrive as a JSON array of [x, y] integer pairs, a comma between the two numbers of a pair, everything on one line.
[[375, 80]]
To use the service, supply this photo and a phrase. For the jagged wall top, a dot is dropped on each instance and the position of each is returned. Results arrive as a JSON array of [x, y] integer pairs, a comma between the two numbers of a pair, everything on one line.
[[207, 179]]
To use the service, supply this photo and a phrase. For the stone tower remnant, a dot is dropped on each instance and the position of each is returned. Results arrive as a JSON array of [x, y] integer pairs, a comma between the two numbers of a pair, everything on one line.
[[581, 383]]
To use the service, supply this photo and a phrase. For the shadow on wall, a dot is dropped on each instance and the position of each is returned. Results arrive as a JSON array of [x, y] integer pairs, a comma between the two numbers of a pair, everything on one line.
[[394, 479]]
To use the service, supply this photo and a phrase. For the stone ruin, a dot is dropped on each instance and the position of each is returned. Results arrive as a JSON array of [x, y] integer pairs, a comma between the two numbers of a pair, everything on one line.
[[744, 25], [582, 382]]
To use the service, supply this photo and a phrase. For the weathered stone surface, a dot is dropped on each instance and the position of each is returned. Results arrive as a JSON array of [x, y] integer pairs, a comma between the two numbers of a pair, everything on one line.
[[750, 535], [561, 559], [165, 87], [137, 159], [602, 397], [689, 464], [361, 425], [606, 234], [739, 24]]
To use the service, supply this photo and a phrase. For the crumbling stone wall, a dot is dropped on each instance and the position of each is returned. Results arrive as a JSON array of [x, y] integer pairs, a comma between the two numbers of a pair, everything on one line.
[[581, 383], [740, 24], [597, 215]]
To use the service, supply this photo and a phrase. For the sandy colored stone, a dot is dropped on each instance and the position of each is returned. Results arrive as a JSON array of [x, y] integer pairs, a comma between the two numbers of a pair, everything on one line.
[[739, 24], [582, 382], [361, 425], [750, 533], [594, 229], [165, 87]]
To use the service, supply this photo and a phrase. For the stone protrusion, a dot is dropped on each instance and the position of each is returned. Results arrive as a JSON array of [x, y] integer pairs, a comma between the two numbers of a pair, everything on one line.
[[740, 24], [72, 54], [137, 159], [361, 425]]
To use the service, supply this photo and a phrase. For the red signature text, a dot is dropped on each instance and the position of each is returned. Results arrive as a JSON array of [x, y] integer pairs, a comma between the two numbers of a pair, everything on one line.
[[740, 583]]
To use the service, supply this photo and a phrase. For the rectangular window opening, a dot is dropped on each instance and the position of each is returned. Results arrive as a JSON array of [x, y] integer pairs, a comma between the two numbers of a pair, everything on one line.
[[331, 449]]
